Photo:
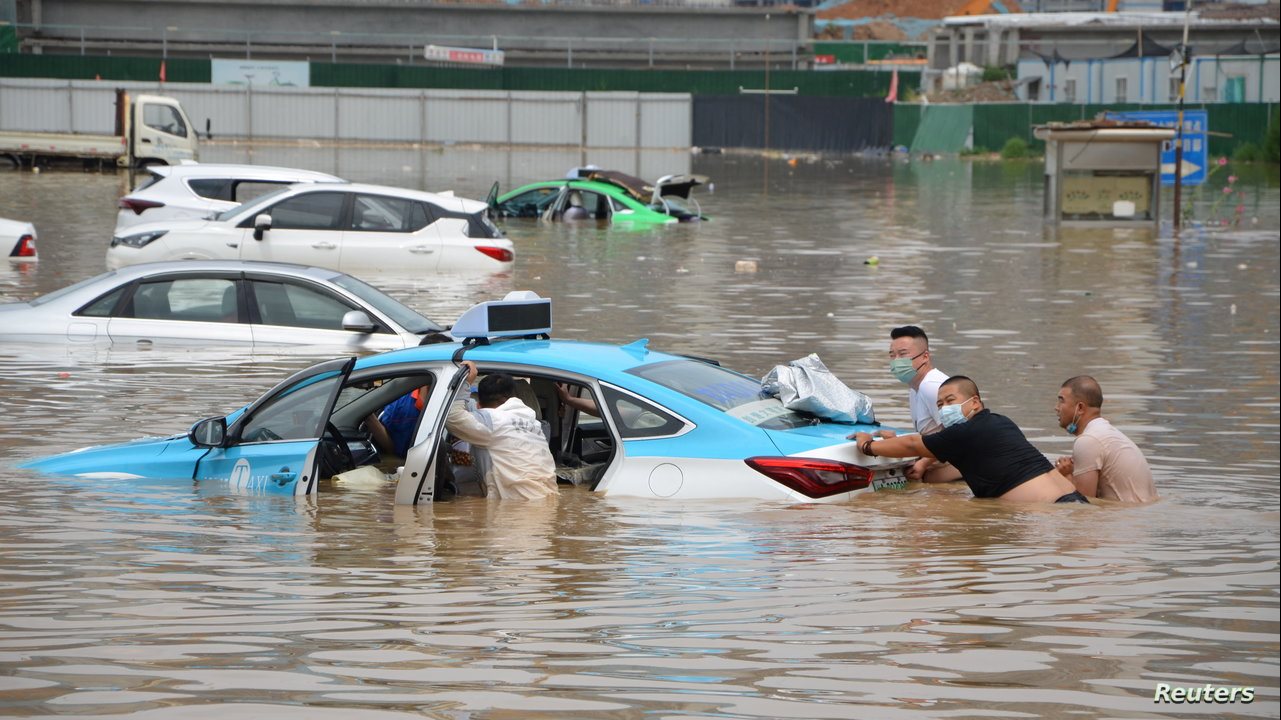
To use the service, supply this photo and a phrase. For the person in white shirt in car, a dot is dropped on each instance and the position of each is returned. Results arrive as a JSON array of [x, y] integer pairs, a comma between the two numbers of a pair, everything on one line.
[[507, 439]]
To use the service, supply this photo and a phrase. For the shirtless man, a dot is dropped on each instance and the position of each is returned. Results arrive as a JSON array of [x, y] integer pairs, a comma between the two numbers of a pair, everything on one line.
[[994, 457]]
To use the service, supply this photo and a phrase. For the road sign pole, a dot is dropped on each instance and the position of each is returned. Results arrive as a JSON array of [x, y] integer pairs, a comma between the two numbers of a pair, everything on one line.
[[1178, 138]]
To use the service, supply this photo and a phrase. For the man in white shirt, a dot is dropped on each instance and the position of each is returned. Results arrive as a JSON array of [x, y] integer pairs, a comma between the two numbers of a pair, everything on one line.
[[507, 439], [912, 364], [1104, 463]]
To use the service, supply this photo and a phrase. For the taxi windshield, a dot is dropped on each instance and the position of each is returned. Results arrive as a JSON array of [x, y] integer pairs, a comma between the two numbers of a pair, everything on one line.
[[737, 395]]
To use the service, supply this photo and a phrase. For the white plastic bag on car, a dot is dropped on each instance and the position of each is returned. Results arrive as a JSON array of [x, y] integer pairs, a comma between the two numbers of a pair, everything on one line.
[[808, 386]]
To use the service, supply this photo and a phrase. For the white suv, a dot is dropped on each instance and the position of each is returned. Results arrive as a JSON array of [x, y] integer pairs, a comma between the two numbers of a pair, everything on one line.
[[192, 190], [347, 227]]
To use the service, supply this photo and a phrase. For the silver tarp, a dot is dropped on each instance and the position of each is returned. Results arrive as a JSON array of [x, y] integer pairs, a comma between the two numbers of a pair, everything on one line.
[[808, 386]]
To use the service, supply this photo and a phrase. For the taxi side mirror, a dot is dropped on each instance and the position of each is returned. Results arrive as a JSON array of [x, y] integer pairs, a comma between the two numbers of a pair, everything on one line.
[[262, 224], [208, 433]]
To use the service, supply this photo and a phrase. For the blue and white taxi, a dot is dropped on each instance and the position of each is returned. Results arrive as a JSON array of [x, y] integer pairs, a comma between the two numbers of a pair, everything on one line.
[[622, 420]]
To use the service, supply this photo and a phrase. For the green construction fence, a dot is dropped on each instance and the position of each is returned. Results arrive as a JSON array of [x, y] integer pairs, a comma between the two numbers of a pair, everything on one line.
[[840, 83], [995, 123]]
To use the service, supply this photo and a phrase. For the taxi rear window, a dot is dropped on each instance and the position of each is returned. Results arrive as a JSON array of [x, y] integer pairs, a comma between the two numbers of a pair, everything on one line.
[[737, 395]]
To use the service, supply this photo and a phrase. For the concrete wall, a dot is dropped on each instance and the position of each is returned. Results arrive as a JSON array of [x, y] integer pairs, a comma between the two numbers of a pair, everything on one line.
[[1148, 80], [557, 119]]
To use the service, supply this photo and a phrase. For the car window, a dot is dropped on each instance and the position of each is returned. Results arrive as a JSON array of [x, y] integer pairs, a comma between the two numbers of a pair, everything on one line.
[[638, 419], [298, 306], [309, 211], [246, 190], [188, 299], [103, 306], [403, 316], [377, 213], [617, 205], [151, 178], [252, 207], [296, 414], [737, 395], [530, 203], [212, 188], [164, 118]]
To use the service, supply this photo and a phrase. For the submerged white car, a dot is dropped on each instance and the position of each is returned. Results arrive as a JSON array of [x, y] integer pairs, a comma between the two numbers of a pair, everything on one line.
[[345, 227], [18, 240], [218, 303], [196, 190]]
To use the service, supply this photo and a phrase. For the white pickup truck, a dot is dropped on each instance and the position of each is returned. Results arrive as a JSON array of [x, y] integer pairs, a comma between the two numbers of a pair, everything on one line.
[[150, 130]]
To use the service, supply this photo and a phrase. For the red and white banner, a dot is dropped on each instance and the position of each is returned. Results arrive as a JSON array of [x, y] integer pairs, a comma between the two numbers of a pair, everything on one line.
[[464, 56]]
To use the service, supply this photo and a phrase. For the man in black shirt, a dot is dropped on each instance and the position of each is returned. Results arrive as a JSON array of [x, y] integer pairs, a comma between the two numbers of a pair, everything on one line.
[[994, 457]]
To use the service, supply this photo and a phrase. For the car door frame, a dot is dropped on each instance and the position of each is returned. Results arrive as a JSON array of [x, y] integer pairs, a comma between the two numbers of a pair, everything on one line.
[[354, 340], [420, 250], [131, 288], [246, 225], [309, 466], [417, 482]]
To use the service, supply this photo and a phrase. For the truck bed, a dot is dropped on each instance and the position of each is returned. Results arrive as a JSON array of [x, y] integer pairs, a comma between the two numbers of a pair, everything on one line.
[[62, 144]]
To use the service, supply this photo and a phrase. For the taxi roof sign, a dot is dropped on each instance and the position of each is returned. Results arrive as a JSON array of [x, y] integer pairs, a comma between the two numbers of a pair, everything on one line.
[[521, 313]]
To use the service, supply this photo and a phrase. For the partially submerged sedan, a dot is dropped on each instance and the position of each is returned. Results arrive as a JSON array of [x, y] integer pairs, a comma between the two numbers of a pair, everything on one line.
[[633, 422], [603, 196], [218, 303], [18, 241]]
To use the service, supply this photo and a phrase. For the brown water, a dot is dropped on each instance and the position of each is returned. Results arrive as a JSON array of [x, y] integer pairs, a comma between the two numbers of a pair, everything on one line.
[[122, 599]]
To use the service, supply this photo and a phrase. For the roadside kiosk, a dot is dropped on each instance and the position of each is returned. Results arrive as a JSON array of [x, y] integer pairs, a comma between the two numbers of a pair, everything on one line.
[[1103, 172]]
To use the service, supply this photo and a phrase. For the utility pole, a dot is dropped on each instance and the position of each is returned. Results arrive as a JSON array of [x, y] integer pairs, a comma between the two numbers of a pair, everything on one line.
[[1184, 54]]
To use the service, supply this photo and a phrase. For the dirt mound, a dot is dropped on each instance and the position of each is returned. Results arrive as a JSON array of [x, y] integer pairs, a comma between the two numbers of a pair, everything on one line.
[[925, 9], [878, 31], [1002, 91]]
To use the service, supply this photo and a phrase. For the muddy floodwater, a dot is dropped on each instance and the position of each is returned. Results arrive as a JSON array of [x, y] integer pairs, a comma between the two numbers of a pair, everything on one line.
[[122, 599]]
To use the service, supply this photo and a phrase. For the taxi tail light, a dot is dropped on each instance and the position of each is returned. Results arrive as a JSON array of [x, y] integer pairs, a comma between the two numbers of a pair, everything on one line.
[[500, 254], [138, 206], [813, 477], [26, 247]]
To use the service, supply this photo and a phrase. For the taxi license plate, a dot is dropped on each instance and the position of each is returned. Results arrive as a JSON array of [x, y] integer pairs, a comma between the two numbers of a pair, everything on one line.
[[891, 480]]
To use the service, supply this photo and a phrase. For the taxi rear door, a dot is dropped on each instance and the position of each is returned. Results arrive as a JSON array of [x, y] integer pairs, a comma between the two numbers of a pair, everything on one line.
[[273, 446]]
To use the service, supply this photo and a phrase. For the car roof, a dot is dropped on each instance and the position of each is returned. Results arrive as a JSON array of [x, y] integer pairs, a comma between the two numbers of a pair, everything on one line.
[[601, 360], [130, 272], [438, 198], [248, 172]]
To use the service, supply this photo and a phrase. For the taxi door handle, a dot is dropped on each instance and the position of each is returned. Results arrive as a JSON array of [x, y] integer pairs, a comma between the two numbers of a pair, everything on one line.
[[324, 245], [233, 244], [284, 475], [422, 250]]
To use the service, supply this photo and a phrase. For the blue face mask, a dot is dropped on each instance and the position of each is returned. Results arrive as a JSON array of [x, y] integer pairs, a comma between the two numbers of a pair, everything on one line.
[[951, 415], [1072, 427]]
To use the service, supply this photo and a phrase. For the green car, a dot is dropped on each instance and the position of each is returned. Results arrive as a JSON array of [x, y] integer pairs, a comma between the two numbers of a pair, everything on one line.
[[603, 196]]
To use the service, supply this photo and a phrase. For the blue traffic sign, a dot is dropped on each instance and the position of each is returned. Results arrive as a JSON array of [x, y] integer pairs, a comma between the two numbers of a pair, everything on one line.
[[1196, 147]]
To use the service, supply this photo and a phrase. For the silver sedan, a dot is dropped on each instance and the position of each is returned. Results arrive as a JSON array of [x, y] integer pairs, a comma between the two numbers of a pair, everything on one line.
[[215, 303]]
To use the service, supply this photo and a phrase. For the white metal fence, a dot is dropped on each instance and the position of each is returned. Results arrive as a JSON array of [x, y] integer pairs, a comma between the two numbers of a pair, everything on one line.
[[489, 117]]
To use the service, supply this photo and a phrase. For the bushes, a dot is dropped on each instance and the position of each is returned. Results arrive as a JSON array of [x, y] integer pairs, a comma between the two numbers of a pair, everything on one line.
[[996, 73], [1247, 153], [1015, 148]]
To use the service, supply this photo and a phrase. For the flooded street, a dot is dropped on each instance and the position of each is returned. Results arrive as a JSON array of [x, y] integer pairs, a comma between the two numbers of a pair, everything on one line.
[[163, 600]]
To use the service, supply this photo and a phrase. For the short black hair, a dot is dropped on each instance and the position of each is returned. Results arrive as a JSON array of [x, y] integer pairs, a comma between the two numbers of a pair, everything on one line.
[[1086, 389], [495, 389], [967, 385], [911, 331]]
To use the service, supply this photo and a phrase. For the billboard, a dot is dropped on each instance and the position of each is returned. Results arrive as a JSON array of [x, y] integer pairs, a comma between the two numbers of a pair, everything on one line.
[[464, 56], [260, 73]]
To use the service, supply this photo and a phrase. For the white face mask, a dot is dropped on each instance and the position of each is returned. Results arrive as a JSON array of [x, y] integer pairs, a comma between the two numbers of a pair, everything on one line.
[[954, 414]]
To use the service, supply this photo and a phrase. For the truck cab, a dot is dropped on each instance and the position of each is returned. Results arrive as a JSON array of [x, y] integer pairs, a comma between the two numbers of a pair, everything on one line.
[[159, 132]]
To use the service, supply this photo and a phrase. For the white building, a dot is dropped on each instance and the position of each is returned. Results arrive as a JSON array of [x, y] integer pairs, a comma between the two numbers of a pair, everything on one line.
[[1113, 58]]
